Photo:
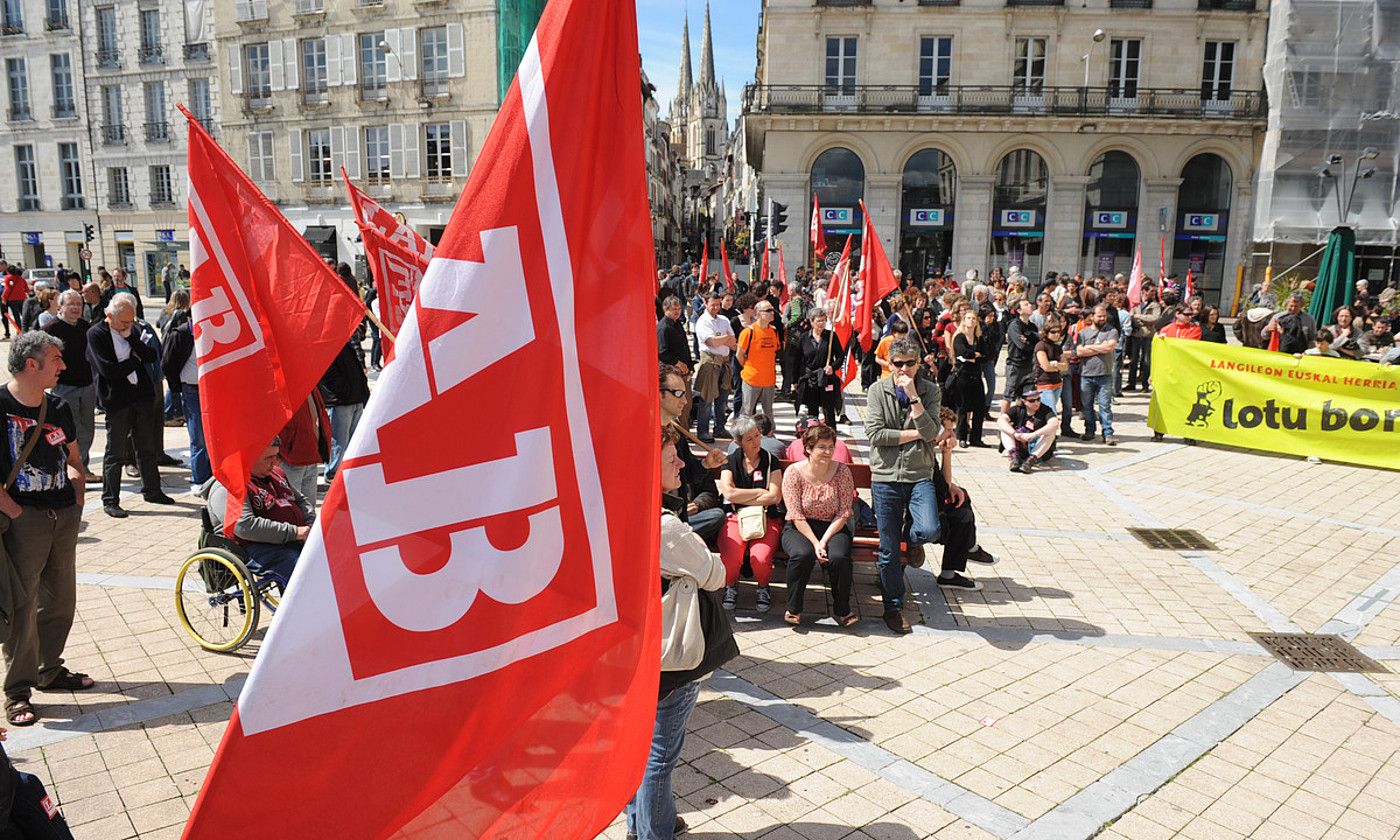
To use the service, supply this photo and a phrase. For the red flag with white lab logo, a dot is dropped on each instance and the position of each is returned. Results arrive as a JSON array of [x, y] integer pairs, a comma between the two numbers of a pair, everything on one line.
[[840, 304], [397, 256], [818, 235], [876, 280], [269, 314], [470, 645]]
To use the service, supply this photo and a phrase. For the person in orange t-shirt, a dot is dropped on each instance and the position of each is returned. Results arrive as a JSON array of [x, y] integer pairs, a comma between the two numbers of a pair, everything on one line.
[[758, 353], [898, 330], [1182, 325]]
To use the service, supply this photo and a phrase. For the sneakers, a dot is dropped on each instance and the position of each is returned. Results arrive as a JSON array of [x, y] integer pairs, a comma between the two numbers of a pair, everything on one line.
[[1110, 440], [731, 597], [764, 599], [158, 498], [958, 581], [115, 511], [982, 555], [895, 620], [1015, 464], [914, 556], [1029, 464]]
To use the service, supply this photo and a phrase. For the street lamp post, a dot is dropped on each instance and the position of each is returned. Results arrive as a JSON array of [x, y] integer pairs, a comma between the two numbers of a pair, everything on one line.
[[1358, 174], [1098, 37]]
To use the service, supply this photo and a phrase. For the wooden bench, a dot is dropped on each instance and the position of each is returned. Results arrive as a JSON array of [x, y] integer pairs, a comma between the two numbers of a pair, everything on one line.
[[865, 546]]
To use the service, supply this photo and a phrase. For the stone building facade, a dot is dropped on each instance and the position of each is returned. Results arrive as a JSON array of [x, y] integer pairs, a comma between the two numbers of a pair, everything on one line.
[[990, 133]]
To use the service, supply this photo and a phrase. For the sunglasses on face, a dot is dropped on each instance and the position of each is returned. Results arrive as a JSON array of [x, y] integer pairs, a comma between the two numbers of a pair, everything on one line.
[[675, 392], [1031, 399], [907, 363]]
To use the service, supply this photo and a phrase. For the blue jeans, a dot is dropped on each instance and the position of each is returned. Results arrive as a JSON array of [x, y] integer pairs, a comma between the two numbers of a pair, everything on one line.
[[344, 419], [194, 422], [707, 523], [1051, 398], [989, 378], [83, 402], [892, 500], [1097, 393], [716, 412], [273, 559], [651, 815], [174, 406]]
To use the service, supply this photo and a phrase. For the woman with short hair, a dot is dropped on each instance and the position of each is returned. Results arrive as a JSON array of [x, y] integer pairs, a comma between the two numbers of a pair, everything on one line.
[[751, 476], [818, 493], [821, 356]]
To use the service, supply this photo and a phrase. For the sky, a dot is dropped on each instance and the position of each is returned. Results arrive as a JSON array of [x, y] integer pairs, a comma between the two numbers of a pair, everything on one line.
[[735, 34]]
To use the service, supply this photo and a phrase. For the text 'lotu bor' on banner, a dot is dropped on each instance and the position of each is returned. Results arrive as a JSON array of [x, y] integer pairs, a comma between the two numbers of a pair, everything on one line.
[[1336, 409]]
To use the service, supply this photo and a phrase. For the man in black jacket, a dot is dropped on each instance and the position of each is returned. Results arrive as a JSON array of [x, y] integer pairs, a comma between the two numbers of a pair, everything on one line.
[[119, 357], [672, 346], [345, 388], [1021, 337]]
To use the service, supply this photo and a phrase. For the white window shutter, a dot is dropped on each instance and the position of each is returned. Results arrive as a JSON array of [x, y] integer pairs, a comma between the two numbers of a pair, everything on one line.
[[298, 171], [396, 131], [337, 148], [409, 39], [352, 152], [235, 74], [456, 51], [459, 148], [260, 9], [333, 61], [274, 65], [291, 54], [394, 39], [412, 167], [349, 58]]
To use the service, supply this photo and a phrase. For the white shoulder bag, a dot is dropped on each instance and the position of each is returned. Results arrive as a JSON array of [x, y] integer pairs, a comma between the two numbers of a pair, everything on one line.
[[682, 637]]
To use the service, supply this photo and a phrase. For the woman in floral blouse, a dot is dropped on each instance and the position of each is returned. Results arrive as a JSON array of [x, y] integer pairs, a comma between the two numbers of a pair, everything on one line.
[[817, 493]]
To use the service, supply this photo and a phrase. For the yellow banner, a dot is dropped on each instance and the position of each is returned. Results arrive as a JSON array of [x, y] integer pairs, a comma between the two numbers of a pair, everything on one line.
[[1336, 409]]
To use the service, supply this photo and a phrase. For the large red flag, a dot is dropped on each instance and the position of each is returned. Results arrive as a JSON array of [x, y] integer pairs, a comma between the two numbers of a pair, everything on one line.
[[724, 266], [705, 267], [833, 288], [269, 314], [1135, 280], [876, 280], [839, 305], [469, 647], [397, 256], [817, 234]]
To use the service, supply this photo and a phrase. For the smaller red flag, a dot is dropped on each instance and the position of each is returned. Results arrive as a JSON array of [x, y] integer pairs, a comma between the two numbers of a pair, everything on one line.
[[1162, 264], [842, 318], [782, 276], [398, 258], [724, 266], [763, 267], [705, 266], [818, 235], [1190, 287], [1135, 280], [834, 287]]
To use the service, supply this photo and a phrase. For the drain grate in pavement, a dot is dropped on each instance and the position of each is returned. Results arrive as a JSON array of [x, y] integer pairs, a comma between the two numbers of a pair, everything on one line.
[[1173, 539], [1317, 652]]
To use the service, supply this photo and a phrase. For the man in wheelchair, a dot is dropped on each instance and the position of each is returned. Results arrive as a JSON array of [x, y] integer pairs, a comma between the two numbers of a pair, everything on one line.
[[276, 516]]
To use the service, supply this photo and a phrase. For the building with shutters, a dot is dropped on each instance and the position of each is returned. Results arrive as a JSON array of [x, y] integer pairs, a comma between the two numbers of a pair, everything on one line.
[[991, 133], [399, 92], [92, 136]]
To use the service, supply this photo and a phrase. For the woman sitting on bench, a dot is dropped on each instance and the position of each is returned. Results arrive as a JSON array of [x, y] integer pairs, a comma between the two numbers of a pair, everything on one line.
[[818, 493]]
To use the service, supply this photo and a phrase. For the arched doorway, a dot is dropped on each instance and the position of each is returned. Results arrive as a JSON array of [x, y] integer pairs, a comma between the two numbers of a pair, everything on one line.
[[1018, 212], [1203, 223], [838, 180], [1110, 215], [927, 195]]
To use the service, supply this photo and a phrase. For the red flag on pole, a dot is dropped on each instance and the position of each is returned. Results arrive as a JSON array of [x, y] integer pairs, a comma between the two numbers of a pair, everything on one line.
[[834, 287], [724, 266], [1190, 287], [876, 279], [1162, 264], [397, 256], [763, 267], [269, 314], [469, 646], [705, 266], [1135, 280], [818, 235], [842, 319], [782, 276]]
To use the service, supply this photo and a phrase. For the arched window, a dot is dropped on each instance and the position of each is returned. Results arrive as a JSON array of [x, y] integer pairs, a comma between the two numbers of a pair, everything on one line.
[[1110, 215], [1203, 223], [1018, 212], [927, 196], [838, 180]]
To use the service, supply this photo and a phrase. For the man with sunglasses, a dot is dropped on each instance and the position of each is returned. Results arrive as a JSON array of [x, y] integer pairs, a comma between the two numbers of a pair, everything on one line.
[[758, 353], [902, 425], [1028, 430]]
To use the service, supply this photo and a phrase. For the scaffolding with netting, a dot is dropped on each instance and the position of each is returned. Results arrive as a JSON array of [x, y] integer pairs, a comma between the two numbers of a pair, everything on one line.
[[517, 19]]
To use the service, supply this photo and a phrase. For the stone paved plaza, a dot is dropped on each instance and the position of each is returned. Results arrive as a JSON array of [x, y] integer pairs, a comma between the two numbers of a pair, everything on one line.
[[1095, 687]]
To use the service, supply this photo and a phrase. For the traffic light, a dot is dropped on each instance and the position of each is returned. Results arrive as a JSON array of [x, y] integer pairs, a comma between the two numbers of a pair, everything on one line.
[[87, 232], [777, 215]]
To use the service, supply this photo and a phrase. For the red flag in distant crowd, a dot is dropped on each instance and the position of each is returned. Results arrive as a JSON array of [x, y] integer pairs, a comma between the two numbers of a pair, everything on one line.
[[876, 280], [839, 304], [269, 314], [1162, 266], [763, 268], [705, 266], [782, 276], [470, 645], [397, 256], [1135, 280], [833, 288], [1190, 287], [818, 235], [724, 266]]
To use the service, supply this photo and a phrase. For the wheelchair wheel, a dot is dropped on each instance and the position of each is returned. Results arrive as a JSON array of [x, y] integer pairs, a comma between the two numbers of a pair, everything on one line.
[[216, 600]]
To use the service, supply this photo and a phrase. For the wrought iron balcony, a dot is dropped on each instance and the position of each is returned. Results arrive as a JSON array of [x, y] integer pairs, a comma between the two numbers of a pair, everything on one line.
[[20, 113], [433, 88], [1130, 4], [12, 27], [197, 52], [109, 58], [1035, 2], [845, 2], [309, 7], [157, 132], [65, 110], [250, 11], [57, 23], [1226, 5], [1012, 100], [114, 135], [315, 95], [151, 54], [72, 202]]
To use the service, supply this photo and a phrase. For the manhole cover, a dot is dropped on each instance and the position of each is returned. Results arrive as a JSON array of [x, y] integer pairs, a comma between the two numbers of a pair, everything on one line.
[[1173, 539], [1310, 652]]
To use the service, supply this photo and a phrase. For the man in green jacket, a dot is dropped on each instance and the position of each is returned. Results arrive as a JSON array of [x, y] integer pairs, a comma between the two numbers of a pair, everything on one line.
[[902, 424]]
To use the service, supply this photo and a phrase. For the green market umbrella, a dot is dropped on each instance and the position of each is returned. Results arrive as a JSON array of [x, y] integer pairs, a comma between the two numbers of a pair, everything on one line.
[[1336, 280]]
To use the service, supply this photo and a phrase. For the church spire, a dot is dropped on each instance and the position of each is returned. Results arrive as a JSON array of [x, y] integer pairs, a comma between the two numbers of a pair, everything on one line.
[[707, 57], [683, 82]]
